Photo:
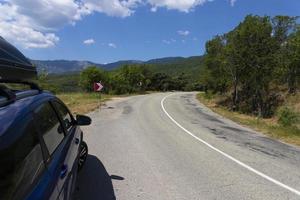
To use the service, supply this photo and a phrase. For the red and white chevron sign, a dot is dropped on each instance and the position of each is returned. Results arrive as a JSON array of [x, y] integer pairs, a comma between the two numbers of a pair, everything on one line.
[[98, 87]]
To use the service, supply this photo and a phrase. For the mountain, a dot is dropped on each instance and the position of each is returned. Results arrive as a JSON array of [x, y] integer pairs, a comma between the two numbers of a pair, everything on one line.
[[67, 66], [191, 66], [165, 60], [62, 66], [114, 65]]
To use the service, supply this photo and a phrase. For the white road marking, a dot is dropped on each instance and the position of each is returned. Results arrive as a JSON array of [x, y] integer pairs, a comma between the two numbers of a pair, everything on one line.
[[227, 155]]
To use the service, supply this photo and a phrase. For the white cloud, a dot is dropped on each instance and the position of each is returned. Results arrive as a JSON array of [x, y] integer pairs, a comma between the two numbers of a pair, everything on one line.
[[89, 41], [181, 5], [169, 41], [112, 45], [183, 33], [26, 36], [232, 2], [116, 8], [34, 23], [153, 9], [166, 41], [45, 14]]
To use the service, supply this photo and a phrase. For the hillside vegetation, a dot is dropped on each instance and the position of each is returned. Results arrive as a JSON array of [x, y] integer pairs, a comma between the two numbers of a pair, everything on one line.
[[157, 75], [250, 74], [268, 126], [255, 65]]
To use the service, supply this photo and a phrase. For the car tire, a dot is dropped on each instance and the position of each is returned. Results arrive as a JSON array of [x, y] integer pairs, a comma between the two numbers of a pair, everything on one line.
[[82, 154]]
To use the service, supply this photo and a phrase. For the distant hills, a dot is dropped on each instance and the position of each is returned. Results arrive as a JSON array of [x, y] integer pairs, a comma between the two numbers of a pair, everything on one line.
[[191, 66], [166, 60], [114, 65], [62, 66], [66, 66]]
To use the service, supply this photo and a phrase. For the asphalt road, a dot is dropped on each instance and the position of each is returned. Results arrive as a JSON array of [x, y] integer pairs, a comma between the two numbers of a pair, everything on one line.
[[169, 146]]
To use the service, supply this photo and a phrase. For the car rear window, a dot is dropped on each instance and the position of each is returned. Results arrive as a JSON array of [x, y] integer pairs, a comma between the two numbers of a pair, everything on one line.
[[20, 163], [49, 126], [64, 114]]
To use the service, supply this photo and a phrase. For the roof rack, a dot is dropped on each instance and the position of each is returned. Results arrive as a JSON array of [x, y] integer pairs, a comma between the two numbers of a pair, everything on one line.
[[32, 85], [11, 96]]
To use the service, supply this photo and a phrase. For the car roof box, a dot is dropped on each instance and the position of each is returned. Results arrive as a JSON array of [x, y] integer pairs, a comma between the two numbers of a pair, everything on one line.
[[14, 66]]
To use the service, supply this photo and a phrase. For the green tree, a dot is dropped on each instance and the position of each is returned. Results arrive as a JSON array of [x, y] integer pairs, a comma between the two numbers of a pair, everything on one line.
[[93, 74], [244, 60], [286, 34], [292, 69], [131, 79], [283, 26], [257, 47], [217, 76]]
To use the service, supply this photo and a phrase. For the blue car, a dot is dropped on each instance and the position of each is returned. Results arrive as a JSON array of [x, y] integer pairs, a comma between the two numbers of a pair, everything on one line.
[[41, 143]]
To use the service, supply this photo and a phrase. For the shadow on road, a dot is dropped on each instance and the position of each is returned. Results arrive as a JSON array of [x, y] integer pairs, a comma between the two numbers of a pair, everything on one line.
[[94, 182]]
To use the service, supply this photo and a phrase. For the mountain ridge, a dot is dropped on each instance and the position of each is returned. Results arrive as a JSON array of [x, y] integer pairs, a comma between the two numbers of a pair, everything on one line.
[[61, 66]]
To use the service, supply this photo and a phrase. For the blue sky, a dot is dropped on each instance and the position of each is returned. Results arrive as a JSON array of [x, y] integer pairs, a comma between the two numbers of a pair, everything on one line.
[[97, 31]]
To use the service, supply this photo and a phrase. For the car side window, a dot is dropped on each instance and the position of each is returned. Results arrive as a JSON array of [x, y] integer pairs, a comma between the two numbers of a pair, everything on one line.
[[49, 126], [21, 163], [64, 114]]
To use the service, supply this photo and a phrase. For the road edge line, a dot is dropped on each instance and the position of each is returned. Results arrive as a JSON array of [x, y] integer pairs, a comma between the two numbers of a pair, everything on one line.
[[278, 183]]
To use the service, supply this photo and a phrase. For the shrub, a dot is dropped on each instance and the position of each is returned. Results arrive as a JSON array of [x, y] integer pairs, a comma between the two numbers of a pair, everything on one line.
[[208, 95], [287, 117]]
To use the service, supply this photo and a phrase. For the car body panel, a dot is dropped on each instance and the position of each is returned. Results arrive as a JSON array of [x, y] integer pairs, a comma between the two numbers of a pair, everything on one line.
[[13, 113], [50, 185]]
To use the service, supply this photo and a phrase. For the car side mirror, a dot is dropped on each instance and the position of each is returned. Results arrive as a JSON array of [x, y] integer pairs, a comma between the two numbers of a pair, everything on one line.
[[83, 120]]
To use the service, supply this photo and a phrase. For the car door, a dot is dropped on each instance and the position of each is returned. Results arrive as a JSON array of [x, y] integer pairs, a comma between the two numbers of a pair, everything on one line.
[[73, 135], [22, 168], [56, 143]]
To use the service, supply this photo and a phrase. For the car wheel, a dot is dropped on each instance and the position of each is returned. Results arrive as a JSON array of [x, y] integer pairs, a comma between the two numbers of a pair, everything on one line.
[[82, 154]]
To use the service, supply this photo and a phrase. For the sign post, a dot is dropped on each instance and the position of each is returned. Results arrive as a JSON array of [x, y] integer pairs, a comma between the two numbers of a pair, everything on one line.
[[97, 88]]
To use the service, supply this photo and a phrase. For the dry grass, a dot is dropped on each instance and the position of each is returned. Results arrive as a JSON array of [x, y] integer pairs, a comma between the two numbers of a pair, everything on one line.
[[269, 127], [81, 103], [293, 101]]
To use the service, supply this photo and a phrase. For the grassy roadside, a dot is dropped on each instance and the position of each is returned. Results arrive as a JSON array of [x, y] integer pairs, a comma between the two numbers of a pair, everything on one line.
[[82, 103], [269, 127]]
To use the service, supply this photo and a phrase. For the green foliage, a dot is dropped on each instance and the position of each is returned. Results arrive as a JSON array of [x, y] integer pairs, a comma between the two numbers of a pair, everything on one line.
[[287, 117], [208, 95], [283, 26], [259, 53], [136, 79], [174, 74], [91, 75], [216, 77], [130, 79], [191, 67], [292, 69], [43, 82], [287, 35]]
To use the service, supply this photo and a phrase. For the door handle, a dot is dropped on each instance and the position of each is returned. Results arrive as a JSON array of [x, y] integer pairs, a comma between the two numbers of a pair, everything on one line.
[[77, 140], [64, 171]]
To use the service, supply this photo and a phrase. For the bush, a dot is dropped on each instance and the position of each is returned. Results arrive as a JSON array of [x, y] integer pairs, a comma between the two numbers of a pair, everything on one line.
[[287, 117], [91, 75], [208, 95]]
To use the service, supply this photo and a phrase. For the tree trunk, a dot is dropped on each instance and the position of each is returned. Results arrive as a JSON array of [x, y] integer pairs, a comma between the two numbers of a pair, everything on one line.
[[235, 95], [292, 81]]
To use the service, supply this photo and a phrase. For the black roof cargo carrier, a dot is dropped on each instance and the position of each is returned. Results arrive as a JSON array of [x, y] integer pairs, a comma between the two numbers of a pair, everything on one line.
[[14, 66]]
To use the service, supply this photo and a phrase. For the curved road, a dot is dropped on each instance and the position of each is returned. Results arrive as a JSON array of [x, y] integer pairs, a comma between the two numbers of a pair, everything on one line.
[[168, 146]]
